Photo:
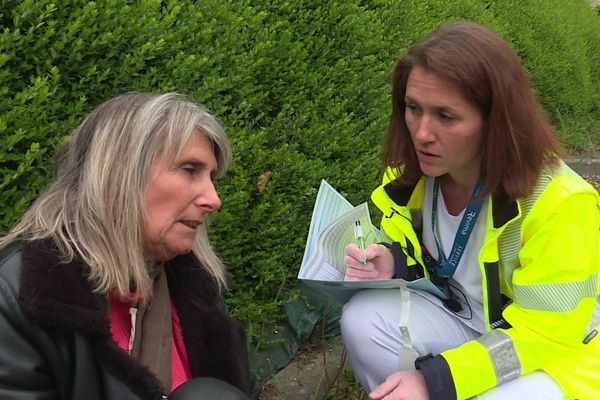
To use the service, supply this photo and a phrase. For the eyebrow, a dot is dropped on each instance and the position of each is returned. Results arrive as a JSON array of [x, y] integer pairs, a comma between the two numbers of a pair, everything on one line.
[[408, 99]]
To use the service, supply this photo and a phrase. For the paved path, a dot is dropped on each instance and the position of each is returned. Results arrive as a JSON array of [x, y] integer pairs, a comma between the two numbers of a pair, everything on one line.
[[310, 375], [585, 165]]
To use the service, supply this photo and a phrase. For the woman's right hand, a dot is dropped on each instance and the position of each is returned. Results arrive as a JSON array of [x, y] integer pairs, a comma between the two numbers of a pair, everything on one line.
[[380, 263]]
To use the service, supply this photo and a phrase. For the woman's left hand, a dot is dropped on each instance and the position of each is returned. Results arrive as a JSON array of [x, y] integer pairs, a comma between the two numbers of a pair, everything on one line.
[[402, 385]]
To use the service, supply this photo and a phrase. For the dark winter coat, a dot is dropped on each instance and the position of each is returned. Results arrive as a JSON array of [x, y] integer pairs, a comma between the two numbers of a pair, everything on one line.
[[55, 340]]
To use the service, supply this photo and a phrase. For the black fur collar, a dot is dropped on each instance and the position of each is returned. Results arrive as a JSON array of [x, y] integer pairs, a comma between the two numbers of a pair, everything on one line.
[[56, 295]]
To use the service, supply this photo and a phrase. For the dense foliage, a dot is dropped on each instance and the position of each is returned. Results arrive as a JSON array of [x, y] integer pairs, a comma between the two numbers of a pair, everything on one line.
[[302, 87]]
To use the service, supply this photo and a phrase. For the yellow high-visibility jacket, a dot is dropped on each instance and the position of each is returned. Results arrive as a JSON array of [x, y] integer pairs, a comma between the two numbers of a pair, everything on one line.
[[540, 263]]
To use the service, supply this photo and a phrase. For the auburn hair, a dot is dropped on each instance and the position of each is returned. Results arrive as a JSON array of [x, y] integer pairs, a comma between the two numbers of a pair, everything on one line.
[[518, 140]]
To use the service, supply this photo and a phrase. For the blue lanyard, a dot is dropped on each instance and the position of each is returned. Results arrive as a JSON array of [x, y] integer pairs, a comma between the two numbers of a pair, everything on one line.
[[447, 266]]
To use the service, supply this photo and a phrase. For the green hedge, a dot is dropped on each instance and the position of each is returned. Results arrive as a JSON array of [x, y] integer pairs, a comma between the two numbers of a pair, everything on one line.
[[301, 86]]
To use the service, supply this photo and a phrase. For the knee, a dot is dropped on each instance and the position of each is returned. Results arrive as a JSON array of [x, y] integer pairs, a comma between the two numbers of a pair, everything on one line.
[[359, 323], [368, 309], [355, 318]]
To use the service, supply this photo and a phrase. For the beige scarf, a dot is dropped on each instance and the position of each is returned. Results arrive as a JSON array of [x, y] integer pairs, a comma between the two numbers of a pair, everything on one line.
[[152, 334]]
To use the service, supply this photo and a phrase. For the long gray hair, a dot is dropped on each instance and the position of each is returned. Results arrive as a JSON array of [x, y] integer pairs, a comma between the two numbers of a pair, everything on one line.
[[94, 208]]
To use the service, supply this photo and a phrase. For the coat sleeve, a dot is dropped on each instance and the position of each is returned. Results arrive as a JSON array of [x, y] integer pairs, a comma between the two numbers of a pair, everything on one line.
[[555, 291], [24, 374]]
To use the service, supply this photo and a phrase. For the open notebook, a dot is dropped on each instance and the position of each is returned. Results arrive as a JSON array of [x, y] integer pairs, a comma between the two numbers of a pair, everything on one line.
[[331, 229]]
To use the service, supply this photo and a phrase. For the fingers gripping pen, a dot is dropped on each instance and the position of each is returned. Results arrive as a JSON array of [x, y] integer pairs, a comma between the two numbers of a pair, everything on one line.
[[360, 239]]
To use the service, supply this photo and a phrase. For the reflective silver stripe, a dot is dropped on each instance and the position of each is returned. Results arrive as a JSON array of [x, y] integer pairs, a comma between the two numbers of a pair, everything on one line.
[[409, 354], [595, 320], [509, 245], [509, 242], [503, 354], [404, 314], [555, 297]]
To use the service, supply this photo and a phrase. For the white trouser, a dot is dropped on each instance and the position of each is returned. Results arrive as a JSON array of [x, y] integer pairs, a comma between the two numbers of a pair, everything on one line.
[[377, 346]]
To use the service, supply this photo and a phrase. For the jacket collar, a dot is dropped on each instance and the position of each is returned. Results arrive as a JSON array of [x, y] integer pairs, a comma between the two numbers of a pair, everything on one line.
[[56, 294], [399, 194], [503, 209]]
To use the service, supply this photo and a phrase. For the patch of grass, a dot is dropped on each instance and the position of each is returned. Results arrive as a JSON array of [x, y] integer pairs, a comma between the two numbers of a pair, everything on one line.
[[346, 387], [581, 135]]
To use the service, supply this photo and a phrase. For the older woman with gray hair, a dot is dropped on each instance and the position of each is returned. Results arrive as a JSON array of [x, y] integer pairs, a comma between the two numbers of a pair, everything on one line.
[[109, 287]]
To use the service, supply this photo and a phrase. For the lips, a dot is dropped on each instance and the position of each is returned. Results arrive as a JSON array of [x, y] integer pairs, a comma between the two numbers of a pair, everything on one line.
[[427, 154], [190, 224]]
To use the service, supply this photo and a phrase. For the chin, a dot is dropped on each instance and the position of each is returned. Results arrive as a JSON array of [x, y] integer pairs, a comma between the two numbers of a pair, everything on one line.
[[170, 253], [431, 171], [181, 251]]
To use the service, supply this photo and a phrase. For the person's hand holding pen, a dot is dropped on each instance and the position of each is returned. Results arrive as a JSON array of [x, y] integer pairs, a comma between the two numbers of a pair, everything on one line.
[[374, 262]]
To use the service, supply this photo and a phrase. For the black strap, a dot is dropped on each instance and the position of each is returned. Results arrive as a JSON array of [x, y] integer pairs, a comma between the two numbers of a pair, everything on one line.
[[401, 268], [496, 301]]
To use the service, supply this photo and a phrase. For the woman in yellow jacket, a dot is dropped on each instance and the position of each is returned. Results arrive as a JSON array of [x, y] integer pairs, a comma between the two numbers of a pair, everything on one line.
[[476, 198]]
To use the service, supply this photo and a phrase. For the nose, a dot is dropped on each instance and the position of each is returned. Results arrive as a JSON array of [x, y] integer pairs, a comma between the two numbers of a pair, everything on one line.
[[208, 199], [423, 129]]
